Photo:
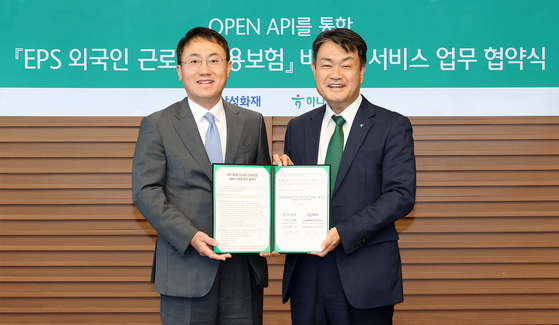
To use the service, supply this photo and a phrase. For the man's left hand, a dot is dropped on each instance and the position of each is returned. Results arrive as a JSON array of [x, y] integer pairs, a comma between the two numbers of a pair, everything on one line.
[[282, 160], [332, 241]]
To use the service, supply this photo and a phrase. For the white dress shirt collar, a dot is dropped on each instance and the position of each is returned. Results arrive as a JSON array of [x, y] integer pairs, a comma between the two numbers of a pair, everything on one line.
[[198, 111], [328, 126], [348, 114], [218, 112]]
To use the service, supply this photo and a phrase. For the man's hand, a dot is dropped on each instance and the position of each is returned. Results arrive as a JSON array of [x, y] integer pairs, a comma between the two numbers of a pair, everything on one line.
[[272, 254], [204, 243], [282, 160], [332, 241]]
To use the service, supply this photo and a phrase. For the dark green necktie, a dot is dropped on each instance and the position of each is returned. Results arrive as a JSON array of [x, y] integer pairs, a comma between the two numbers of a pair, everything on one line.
[[335, 150]]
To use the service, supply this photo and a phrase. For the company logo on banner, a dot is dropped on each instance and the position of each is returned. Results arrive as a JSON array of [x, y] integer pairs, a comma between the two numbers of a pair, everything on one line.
[[424, 57]]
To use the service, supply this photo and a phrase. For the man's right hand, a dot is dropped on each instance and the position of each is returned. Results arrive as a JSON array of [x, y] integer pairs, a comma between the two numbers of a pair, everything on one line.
[[204, 245], [267, 254]]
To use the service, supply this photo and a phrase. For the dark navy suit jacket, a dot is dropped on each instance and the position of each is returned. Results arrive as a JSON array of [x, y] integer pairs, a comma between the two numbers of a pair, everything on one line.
[[374, 188]]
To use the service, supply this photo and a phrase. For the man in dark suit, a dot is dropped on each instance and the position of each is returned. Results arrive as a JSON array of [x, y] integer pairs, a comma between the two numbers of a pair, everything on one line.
[[172, 188], [357, 278]]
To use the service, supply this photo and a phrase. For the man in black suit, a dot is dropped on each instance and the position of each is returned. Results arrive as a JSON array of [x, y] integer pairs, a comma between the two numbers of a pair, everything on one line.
[[357, 278]]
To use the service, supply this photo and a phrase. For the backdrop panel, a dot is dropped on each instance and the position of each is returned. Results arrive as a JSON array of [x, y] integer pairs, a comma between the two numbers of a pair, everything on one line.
[[448, 50]]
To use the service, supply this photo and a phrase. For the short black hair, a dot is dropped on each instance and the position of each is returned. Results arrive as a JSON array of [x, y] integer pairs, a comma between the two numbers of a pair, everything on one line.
[[349, 40], [203, 33]]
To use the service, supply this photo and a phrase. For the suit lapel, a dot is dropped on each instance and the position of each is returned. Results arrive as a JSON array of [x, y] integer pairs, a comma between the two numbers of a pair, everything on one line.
[[235, 125], [312, 136], [359, 129], [188, 132]]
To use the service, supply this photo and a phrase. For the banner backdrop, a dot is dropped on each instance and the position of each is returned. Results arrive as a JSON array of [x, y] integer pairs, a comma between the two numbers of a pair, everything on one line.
[[425, 57]]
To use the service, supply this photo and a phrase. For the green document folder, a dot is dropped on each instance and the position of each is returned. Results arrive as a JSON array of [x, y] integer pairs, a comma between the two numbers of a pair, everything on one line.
[[270, 208]]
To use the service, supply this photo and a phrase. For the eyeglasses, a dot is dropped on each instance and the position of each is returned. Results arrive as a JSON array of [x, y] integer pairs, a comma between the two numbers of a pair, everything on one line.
[[194, 64]]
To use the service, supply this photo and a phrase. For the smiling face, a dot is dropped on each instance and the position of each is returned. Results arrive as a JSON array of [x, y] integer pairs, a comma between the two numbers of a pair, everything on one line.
[[204, 85], [338, 75]]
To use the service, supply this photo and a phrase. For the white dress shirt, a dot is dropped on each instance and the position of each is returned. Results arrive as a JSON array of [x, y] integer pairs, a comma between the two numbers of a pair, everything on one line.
[[328, 126], [219, 113]]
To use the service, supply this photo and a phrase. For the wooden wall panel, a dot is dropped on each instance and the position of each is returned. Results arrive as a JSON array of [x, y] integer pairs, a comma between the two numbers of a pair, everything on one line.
[[480, 247]]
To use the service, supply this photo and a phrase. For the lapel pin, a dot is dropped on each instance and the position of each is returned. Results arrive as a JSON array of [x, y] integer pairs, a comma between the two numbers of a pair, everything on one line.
[[361, 125]]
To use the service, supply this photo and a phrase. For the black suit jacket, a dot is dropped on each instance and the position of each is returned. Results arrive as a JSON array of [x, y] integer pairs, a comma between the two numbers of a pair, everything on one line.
[[374, 188]]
